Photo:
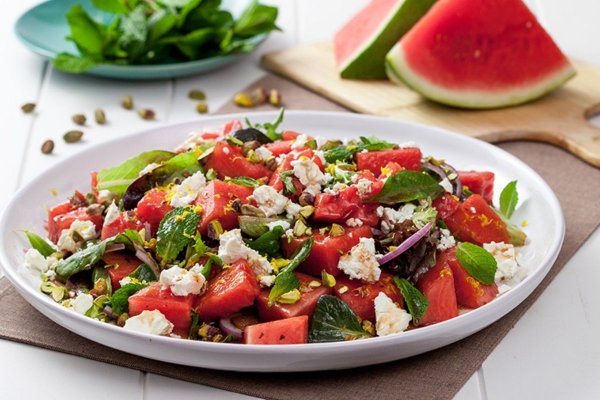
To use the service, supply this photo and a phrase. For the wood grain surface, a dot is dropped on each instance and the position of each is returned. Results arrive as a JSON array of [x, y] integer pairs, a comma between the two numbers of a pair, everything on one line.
[[560, 118]]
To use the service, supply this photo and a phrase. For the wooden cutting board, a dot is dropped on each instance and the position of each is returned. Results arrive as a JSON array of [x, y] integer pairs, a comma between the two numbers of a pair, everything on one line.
[[560, 118]]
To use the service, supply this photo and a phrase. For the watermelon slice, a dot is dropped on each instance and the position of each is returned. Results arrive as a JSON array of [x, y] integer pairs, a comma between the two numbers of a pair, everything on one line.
[[479, 54], [361, 44]]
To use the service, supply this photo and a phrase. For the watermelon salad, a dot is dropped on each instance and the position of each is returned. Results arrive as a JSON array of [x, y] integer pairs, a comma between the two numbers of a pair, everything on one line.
[[252, 234]]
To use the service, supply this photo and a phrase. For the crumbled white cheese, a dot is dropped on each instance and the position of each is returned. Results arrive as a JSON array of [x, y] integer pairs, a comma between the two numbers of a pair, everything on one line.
[[186, 192], [125, 281], [447, 185], [309, 173], [364, 186], [473, 210], [336, 188], [446, 240], [300, 141], [104, 196], [361, 262], [36, 262], [82, 303], [149, 168], [153, 322], [233, 248], [284, 224], [226, 150], [183, 282], [321, 155], [263, 153], [292, 209], [354, 222], [390, 217], [82, 230], [269, 200], [508, 272], [408, 144], [193, 140], [267, 280], [389, 318], [112, 213]]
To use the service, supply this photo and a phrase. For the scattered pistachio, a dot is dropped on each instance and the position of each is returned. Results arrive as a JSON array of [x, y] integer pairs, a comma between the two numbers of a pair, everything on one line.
[[274, 97], [271, 163], [211, 174], [196, 94], [243, 100], [343, 290], [146, 113], [236, 205], [306, 211], [73, 136], [314, 284], [100, 116], [253, 157], [202, 107], [259, 95], [290, 297], [122, 318], [215, 230], [53, 290], [368, 326], [79, 119], [28, 108], [248, 209], [301, 229], [336, 230], [330, 144], [306, 199], [327, 279], [248, 146], [100, 288], [48, 146], [127, 102]]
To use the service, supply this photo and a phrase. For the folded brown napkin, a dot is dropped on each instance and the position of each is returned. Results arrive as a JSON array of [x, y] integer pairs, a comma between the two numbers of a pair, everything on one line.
[[438, 374]]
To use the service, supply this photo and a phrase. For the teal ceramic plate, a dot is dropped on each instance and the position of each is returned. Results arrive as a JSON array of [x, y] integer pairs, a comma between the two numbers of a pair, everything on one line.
[[44, 29]]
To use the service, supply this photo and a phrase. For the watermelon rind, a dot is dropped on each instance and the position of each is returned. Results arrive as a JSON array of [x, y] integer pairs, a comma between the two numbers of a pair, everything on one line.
[[399, 71], [368, 60]]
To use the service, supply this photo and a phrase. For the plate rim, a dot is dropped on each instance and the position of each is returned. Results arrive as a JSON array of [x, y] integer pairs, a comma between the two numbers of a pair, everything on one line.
[[544, 266]]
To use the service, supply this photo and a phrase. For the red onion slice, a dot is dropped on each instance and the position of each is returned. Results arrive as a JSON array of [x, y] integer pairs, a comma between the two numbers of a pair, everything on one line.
[[443, 175], [229, 328], [407, 244], [115, 247], [146, 259]]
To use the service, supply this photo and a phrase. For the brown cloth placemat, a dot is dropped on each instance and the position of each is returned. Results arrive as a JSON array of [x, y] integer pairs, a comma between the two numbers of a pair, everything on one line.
[[438, 374]]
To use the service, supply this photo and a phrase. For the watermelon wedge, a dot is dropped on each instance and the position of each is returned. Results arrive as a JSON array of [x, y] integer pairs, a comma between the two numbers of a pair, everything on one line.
[[361, 44], [479, 54]]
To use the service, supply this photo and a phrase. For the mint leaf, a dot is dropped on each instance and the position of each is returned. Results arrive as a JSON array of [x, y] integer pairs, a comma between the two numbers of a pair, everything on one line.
[[88, 35], [286, 280], [83, 259], [478, 262], [269, 243], [117, 179], [288, 184], [112, 6], [509, 199], [334, 321], [406, 186], [119, 301], [73, 64], [256, 19], [270, 128], [243, 181], [144, 273], [39, 243], [175, 232], [415, 301]]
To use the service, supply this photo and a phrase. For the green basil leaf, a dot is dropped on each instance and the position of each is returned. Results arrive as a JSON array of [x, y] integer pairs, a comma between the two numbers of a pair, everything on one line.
[[286, 280], [83, 259], [243, 181], [509, 199], [415, 301], [117, 179], [119, 301], [175, 232], [406, 186], [478, 262], [334, 321], [144, 273], [73, 64], [40, 244], [269, 243]]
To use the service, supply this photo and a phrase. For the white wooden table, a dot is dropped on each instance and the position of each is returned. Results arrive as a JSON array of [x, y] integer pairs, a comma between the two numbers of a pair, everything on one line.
[[552, 352]]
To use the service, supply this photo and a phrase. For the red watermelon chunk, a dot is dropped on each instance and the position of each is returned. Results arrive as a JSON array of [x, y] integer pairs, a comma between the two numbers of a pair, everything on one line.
[[437, 285], [479, 54]]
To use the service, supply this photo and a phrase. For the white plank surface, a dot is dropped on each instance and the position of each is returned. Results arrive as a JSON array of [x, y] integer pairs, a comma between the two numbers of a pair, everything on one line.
[[552, 351]]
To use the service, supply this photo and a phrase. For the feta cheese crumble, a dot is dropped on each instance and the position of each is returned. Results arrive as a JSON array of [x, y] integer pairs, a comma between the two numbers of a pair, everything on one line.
[[187, 191], [263, 153], [153, 322], [269, 200], [447, 185], [292, 209], [233, 248], [508, 272], [71, 239], [36, 262], [389, 318], [300, 141], [183, 282], [446, 240], [82, 303], [309, 173], [364, 186], [112, 213], [284, 224], [354, 222], [361, 262]]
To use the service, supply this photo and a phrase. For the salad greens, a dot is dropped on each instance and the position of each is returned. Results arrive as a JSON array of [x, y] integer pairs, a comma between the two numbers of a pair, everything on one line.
[[334, 321], [119, 300], [406, 186], [175, 232], [286, 280], [478, 262], [142, 32], [39, 244], [509, 199], [415, 301]]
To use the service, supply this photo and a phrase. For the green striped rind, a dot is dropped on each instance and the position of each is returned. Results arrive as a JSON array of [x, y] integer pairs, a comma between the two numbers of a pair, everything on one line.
[[398, 70], [368, 61]]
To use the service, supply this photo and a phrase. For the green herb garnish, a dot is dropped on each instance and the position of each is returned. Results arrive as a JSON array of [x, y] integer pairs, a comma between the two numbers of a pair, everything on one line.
[[478, 262], [415, 301], [509, 199], [286, 280], [334, 321], [175, 232], [406, 186]]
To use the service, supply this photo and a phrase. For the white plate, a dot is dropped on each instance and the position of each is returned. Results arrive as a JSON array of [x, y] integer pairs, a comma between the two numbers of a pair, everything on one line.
[[539, 206]]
